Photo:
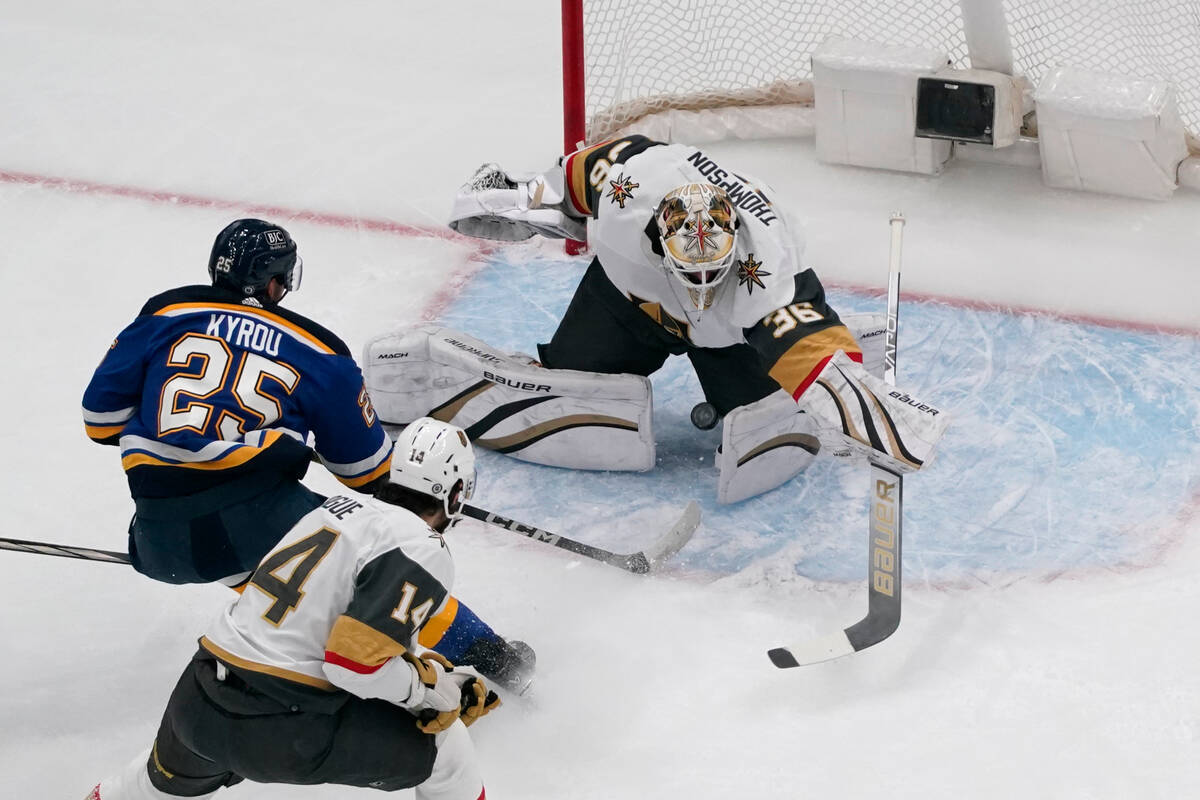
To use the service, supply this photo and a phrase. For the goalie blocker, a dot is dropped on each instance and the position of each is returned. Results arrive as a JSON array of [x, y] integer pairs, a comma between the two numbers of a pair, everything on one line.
[[506, 403]]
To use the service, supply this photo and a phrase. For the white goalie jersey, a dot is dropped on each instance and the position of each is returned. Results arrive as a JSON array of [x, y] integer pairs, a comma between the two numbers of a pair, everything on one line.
[[620, 184], [335, 603]]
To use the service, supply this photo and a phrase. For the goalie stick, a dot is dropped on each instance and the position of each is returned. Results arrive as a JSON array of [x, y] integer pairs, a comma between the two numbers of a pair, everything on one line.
[[883, 546], [640, 562]]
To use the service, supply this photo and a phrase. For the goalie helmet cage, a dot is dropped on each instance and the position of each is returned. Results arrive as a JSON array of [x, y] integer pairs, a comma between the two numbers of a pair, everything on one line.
[[743, 70]]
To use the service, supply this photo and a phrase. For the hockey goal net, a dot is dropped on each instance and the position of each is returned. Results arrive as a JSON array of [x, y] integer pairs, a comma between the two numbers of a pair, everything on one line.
[[628, 60]]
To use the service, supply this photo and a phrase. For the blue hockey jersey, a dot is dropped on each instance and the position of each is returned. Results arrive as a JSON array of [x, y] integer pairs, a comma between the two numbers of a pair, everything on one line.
[[203, 388]]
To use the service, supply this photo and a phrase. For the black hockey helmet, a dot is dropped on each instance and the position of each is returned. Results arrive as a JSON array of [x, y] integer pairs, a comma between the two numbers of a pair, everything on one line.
[[248, 253]]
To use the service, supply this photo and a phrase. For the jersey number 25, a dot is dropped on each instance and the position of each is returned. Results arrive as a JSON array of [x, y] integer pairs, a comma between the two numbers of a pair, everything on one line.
[[182, 405]]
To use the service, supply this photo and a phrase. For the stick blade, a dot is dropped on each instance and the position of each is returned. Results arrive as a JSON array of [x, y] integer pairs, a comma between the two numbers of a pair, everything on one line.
[[674, 539], [814, 651]]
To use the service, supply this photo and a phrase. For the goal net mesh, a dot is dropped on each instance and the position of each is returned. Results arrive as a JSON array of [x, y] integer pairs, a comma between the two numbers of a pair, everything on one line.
[[641, 58]]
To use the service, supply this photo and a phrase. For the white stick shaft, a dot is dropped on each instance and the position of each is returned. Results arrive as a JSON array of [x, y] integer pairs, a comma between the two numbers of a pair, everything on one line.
[[889, 347]]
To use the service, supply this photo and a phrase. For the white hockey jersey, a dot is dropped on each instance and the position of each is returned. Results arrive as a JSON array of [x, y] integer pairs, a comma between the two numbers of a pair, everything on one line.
[[769, 299], [344, 593]]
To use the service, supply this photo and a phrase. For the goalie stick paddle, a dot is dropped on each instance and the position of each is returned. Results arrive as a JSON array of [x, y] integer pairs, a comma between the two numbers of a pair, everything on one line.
[[883, 544], [640, 562]]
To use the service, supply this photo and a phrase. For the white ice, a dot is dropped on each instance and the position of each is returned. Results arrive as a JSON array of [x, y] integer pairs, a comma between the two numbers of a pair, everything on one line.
[[355, 122]]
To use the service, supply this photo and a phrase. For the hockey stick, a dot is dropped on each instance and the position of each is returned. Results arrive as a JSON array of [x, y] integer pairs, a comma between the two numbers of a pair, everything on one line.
[[64, 550], [640, 562], [883, 551]]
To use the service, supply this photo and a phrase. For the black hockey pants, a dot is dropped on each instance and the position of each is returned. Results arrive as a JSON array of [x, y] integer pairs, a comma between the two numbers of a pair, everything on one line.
[[603, 331], [216, 732], [216, 533]]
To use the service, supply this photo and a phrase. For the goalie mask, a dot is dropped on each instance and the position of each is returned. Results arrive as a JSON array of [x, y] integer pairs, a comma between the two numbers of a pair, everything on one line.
[[433, 457], [697, 228]]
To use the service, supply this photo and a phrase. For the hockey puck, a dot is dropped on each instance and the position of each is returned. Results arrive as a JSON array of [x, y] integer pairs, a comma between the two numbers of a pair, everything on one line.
[[705, 416]]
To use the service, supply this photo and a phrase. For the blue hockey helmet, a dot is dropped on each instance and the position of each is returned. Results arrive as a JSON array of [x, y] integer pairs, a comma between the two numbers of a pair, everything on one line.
[[248, 253]]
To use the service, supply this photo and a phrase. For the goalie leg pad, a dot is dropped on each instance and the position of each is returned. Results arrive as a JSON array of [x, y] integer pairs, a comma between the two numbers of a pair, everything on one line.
[[890, 427], [556, 417], [763, 445]]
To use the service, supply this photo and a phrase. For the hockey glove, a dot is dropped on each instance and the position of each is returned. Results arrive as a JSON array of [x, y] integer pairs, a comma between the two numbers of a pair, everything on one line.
[[477, 701], [437, 697], [495, 205]]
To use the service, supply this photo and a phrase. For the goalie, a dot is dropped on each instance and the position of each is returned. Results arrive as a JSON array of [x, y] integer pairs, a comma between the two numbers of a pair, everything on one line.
[[691, 258]]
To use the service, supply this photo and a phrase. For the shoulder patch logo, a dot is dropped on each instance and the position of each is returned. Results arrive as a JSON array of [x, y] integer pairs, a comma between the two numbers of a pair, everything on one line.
[[750, 273], [621, 190]]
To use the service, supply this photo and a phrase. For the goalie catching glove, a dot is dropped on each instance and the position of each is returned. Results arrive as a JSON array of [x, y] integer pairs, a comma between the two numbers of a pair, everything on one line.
[[439, 695], [495, 205]]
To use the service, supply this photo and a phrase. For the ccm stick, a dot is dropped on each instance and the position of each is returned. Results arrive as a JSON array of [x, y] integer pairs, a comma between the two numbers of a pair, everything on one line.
[[640, 562], [883, 547]]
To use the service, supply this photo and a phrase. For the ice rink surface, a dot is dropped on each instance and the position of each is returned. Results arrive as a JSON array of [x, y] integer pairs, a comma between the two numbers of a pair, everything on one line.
[[1048, 647]]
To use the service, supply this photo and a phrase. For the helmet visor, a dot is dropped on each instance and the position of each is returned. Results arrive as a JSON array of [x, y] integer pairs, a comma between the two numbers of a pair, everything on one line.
[[287, 267], [294, 275]]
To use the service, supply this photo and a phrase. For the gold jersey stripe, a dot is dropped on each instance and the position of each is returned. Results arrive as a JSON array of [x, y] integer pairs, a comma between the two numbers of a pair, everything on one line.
[[274, 319], [358, 642], [236, 458], [438, 624], [354, 483], [103, 431], [794, 369], [265, 669]]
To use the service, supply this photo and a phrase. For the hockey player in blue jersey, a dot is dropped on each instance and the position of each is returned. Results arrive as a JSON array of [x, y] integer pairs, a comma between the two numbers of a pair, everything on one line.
[[212, 393]]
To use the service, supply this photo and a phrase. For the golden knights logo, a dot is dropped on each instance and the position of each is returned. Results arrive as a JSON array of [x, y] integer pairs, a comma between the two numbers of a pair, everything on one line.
[[750, 273], [676, 327], [621, 190]]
